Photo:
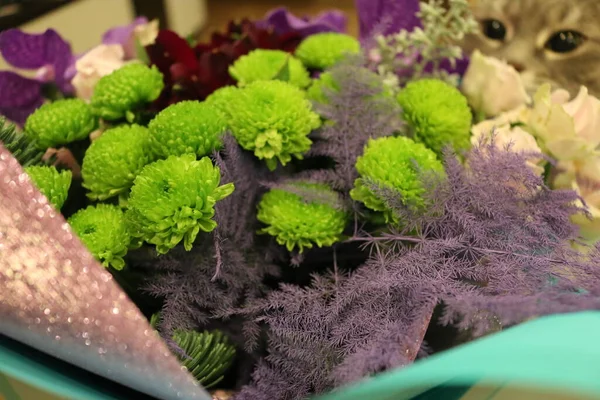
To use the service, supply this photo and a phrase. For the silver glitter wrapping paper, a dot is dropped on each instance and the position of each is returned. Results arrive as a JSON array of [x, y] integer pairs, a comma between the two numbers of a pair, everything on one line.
[[55, 297]]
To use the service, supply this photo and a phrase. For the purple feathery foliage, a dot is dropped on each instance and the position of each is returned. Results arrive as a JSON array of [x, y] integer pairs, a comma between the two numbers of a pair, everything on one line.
[[359, 110], [301, 351], [501, 241], [494, 246], [225, 268]]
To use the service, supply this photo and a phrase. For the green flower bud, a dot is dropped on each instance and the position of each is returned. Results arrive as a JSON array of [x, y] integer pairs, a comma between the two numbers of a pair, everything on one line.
[[324, 50], [51, 183], [297, 222], [210, 355], [262, 65], [130, 87], [188, 127], [113, 160], [60, 122], [103, 230], [273, 120], [173, 200], [437, 113], [393, 163]]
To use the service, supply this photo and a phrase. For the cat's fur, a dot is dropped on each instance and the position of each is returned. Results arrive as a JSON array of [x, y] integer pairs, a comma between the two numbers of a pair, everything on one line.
[[529, 24]]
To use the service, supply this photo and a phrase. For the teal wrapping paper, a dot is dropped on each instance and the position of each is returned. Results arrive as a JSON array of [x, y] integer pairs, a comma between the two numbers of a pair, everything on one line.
[[555, 354]]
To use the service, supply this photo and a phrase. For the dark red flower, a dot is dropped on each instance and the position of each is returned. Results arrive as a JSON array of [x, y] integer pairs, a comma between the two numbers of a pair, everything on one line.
[[194, 73]]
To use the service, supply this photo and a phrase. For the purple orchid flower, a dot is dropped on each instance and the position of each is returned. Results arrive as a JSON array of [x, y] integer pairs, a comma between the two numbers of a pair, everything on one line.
[[124, 35], [283, 21], [386, 17], [47, 52]]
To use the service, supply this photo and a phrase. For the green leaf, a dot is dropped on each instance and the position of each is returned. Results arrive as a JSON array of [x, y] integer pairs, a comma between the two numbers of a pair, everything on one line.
[[517, 124], [191, 39], [208, 355], [141, 52], [284, 72], [130, 117]]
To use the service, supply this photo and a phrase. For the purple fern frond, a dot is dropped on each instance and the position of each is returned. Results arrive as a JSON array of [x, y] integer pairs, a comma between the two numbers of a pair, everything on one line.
[[360, 110], [494, 247]]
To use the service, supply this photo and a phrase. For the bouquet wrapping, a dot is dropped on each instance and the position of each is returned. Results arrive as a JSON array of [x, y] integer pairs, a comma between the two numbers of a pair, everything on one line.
[[286, 209]]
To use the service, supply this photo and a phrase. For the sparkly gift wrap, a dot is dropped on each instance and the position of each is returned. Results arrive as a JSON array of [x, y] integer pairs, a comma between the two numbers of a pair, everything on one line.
[[56, 298]]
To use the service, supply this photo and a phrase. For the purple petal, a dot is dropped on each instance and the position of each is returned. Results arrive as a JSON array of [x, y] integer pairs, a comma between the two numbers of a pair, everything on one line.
[[282, 21], [384, 17], [18, 91], [19, 96], [123, 35], [335, 19], [33, 51], [59, 55], [71, 70], [20, 114]]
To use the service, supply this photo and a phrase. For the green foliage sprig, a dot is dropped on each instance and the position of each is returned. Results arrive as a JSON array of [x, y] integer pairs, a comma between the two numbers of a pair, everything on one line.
[[411, 52]]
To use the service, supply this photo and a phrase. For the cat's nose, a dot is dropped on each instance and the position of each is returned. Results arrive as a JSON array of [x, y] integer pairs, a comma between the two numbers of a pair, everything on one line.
[[518, 66]]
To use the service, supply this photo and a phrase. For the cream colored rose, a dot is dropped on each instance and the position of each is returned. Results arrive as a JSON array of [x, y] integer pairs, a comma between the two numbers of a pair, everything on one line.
[[585, 111], [568, 130], [505, 134], [492, 86], [583, 176], [98, 62], [146, 34]]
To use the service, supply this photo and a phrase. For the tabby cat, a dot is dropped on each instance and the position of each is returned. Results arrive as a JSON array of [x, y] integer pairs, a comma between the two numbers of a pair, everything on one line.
[[556, 41]]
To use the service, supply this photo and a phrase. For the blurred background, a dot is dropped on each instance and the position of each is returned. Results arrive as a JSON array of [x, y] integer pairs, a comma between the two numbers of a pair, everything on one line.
[[220, 11], [82, 22]]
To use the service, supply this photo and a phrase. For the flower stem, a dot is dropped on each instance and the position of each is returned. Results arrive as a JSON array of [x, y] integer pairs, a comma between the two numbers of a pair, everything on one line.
[[78, 149]]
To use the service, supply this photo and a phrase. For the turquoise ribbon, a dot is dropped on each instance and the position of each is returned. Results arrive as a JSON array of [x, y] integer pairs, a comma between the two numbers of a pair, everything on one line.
[[559, 353]]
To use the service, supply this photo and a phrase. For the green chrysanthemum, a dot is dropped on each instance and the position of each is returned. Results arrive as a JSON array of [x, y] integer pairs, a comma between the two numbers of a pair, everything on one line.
[[320, 88], [103, 230], [209, 355], [60, 122], [173, 200], [297, 222], [113, 160], [188, 127], [324, 50], [273, 120], [393, 163], [119, 94], [262, 65], [51, 183], [437, 113], [220, 98]]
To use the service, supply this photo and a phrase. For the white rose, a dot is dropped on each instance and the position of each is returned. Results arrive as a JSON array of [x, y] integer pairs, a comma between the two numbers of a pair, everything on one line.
[[520, 140], [583, 176], [585, 111], [492, 86], [98, 62], [569, 130]]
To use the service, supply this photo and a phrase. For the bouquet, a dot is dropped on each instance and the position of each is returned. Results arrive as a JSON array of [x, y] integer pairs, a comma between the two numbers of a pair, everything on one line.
[[294, 209]]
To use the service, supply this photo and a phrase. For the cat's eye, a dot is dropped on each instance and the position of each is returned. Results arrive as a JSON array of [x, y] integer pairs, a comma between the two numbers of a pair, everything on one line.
[[493, 29], [565, 41]]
